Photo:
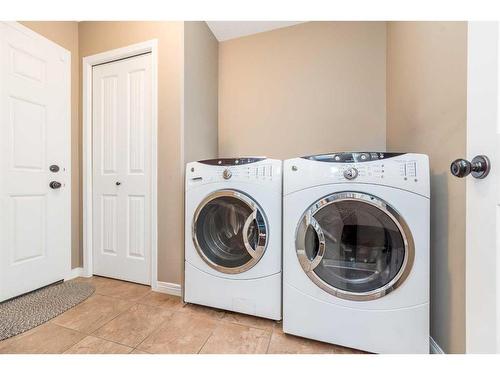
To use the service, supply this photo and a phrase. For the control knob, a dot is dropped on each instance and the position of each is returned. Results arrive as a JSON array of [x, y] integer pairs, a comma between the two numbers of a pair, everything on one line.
[[227, 174], [351, 173]]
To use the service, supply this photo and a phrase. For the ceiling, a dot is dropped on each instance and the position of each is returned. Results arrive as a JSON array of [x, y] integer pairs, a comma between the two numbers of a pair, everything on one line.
[[225, 30]]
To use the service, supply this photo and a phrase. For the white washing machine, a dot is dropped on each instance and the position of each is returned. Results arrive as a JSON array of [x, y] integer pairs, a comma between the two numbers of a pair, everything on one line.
[[356, 250], [233, 235]]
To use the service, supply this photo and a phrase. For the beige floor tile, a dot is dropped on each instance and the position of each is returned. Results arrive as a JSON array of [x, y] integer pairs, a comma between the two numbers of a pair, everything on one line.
[[203, 311], [100, 283], [249, 320], [44, 339], [156, 323], [161, 300], [230, 338], [182, 333], [92, 313], [118, 289], [95, 345], [134, 325], [282, 343]]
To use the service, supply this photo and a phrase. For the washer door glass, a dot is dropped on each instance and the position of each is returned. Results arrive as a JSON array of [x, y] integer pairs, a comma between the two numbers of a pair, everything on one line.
[[229, 231], [354, 246]]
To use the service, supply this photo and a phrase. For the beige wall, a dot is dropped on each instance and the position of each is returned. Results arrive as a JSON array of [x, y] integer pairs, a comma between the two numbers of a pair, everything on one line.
[[95, 37], [426, 113], [201, 56], [311, 88], [66, 35]]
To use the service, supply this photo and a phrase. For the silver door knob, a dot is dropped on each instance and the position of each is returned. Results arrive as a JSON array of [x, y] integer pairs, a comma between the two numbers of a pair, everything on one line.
[[479, 167]]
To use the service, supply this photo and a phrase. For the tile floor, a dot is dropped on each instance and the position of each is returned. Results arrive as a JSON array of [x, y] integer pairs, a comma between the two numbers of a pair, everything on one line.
[[122, 318]]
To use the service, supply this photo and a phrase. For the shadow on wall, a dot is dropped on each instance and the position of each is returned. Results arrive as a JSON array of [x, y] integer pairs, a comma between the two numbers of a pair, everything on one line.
[[439, 228]]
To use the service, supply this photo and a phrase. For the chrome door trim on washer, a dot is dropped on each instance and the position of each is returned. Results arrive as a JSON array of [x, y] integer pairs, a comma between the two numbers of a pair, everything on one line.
[[257, 215], [261, 243], [308, 265]]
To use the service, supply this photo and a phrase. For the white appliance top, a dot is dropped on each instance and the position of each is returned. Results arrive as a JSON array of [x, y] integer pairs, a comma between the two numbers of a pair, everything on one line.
[[258, 170], [404, 171]]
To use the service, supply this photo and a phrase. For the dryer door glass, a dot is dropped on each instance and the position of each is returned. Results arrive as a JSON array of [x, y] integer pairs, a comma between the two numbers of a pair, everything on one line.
[[229, 231], [354, 246]]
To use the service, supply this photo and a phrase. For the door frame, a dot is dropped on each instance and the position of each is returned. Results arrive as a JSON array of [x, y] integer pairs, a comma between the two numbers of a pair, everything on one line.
[[149, 46], [482, 271]]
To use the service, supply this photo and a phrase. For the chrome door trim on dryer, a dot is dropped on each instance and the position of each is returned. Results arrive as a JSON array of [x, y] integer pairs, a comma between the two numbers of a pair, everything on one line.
[[308, 265], [256, 215]]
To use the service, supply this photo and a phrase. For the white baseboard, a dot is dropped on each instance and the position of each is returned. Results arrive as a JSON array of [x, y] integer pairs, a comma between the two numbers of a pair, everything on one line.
[[74, 273], [435, 348], [168, 288]]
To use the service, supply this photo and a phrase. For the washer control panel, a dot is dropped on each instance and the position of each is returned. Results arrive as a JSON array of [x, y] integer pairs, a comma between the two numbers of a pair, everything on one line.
[[233, 161], [264, 171]]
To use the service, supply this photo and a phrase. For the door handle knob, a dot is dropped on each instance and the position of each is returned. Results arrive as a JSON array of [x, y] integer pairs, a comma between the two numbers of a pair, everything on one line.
[[55, 185], [118, 183], [479, 167], [54, 168]]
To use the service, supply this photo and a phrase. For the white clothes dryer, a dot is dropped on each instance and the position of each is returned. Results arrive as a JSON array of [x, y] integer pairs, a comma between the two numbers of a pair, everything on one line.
[[356, 250]]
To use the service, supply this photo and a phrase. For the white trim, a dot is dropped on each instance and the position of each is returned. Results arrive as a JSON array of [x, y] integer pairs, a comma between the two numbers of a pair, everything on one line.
[[168, 288], [434, 347], [183, 160], [482, 263], [88, 63], [74, 273]]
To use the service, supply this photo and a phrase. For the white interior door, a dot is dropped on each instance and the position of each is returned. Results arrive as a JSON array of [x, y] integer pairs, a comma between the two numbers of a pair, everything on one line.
[[35, 220], [122, 118], [483, 213]]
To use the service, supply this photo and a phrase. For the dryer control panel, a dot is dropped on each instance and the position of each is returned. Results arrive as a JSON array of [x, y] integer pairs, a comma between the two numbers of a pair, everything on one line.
[[404, 171], [352, 157]]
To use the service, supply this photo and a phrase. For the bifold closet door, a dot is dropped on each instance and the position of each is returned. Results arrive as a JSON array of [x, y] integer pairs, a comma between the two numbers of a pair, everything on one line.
[[35, 144], [121, 105]]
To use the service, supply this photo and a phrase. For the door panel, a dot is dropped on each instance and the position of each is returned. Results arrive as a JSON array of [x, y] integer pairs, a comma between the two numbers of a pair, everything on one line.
[[35, 220], [122, 169], [28, 242], [136, 125], [28, 129], [108, 223], [136, 227]]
